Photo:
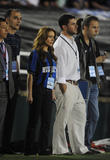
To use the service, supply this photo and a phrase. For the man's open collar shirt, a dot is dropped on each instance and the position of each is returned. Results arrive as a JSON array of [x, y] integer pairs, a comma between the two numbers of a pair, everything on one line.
[[68, 59]]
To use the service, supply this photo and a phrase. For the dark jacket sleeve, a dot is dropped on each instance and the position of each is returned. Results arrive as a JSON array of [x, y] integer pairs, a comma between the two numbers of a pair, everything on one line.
[[11, 82]]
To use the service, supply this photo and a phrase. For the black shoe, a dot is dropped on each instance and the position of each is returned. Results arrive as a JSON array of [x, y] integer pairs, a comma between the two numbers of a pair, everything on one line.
[[45, 152], [29, 153], [106, 148], [8, 151], [88, 153], [94, 151], [1, 151]]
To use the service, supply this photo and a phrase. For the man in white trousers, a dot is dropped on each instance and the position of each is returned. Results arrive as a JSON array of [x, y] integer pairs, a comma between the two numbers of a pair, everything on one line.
[[71, 108]]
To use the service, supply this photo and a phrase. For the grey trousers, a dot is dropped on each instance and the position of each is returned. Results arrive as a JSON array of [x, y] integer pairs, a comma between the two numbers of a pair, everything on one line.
[[71, 111]]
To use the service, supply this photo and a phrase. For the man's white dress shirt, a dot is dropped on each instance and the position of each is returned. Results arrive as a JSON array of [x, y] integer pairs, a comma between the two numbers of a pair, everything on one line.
[[68, 59]]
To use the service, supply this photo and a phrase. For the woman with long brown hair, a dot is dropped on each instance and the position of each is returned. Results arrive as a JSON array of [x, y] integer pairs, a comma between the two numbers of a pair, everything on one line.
[[41, 80]]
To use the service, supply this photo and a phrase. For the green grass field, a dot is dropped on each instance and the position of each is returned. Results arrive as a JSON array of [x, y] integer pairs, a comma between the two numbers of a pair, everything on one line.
[[105, 156]]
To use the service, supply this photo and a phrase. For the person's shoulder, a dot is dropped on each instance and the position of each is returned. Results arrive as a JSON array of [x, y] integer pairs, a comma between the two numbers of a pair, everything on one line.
[[12, 37], [78, 36], [17, 36], [7, 46], [9, 49], [59, 42], [78, 39], [58, 39], [7, 38], [94, 42], [34, 53]]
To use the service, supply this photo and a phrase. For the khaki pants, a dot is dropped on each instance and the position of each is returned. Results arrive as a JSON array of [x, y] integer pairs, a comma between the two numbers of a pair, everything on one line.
[[71, 111]]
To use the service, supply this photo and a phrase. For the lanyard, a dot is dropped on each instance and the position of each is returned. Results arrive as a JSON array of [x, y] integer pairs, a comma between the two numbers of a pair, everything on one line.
[[69, 45], [6, 64]]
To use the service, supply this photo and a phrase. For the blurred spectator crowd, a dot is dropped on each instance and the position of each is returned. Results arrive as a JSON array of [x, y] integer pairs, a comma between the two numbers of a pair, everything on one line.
[[78, 4]]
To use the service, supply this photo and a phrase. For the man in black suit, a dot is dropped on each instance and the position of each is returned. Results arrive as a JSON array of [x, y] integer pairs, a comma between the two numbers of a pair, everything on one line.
[[6, 80], [13, 19]]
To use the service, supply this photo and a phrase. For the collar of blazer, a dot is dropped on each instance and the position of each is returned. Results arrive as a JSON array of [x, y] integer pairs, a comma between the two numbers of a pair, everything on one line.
[[2, 60]]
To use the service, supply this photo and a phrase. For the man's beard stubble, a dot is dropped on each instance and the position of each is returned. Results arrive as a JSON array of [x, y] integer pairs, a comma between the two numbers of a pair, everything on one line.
[[71, 33]]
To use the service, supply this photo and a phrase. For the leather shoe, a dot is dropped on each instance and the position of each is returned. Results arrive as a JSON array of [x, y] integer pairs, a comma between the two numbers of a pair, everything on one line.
[[47, 151], [68, 154], [91, 152], [29, 153], [88, 153], [94, 151], [8, 151]]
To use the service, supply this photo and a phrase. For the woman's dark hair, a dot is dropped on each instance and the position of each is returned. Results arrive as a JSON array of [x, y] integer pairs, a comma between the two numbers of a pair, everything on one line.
[[64, 19], [39, 41], [79, 25]]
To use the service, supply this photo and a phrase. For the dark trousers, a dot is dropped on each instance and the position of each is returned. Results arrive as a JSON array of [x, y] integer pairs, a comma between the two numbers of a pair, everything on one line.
[[10, 113], [3, 107], [42, 109]]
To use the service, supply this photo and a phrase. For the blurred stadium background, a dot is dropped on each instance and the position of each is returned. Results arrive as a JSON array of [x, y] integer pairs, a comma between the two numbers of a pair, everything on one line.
[[32, 19]]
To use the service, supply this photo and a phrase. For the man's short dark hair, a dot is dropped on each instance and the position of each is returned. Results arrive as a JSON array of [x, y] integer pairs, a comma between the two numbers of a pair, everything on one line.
[[64, 19], [2, 19], [8, 13], [88, 19]]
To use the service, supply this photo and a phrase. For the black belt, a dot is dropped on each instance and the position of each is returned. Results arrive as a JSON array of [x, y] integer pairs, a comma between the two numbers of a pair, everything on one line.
[[72, 82]]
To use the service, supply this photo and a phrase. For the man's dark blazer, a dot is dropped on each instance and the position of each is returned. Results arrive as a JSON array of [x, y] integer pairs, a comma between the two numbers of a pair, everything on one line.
[[2, 67], [5, 89]]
